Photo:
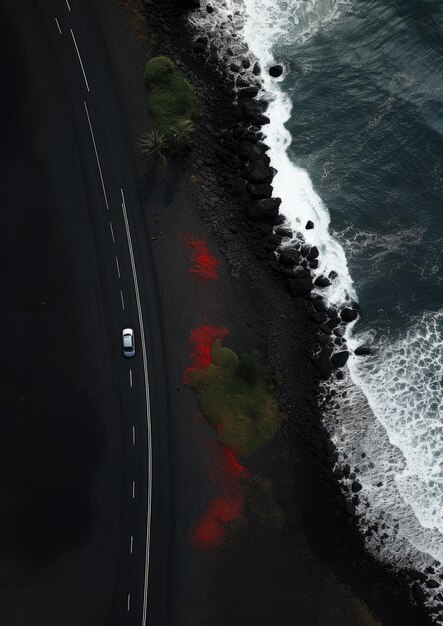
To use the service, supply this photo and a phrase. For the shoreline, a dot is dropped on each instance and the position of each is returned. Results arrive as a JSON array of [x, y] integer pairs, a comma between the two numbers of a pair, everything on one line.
[[311, 495]]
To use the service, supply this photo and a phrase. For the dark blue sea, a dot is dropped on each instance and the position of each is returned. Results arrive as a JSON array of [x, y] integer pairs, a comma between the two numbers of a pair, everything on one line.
[[356, 135]]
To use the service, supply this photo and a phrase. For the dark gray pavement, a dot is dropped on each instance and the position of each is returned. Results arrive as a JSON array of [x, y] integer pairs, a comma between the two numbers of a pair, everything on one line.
[[74, 486]]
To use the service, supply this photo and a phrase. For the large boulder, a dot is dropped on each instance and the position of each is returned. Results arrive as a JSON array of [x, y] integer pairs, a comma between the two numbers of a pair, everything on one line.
[[349, 315], [252, 111], [289, 257], [259, 171], [262, 190], [362, 350], [339, 359], [275, 71], [301, 284], [322, 281], [248, 92], [265, 209]]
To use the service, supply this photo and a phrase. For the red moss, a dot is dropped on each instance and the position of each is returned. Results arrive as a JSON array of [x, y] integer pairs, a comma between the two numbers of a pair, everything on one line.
[[203, 337], [210, 531], [204, 264], [226, 473]]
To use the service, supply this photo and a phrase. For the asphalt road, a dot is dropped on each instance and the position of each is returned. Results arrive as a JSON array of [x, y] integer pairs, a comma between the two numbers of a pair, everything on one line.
[[79, 476]]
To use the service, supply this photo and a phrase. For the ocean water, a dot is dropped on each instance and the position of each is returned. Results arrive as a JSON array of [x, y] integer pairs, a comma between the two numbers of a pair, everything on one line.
[[356, 135]]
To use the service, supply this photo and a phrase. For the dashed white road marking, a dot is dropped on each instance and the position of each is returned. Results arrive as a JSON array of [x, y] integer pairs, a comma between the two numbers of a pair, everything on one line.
[[118, 266], [148, 411], [80, 59], [131, 546], [130, 378], [133, 489], [58, 25], [129, 602], [122, 299], [133, 435], [96, 156], [68, 5], [112, 232]]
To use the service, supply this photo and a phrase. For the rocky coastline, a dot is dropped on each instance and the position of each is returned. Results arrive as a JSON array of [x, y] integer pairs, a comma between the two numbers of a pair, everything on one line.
[[299, 334]]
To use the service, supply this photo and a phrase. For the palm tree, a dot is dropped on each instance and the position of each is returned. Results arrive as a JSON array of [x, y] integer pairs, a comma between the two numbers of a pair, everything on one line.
[[153, 142], [183, 132]]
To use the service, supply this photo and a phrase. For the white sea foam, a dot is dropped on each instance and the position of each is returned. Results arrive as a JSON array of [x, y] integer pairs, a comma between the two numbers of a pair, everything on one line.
[[387, 418]]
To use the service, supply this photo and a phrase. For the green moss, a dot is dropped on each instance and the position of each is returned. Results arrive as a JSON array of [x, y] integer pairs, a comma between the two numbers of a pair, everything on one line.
[[172, 100], [234, 396]]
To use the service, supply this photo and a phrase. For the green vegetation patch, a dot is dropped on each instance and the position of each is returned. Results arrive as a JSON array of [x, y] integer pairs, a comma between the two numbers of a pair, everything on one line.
[[172, 101], [236, 397]]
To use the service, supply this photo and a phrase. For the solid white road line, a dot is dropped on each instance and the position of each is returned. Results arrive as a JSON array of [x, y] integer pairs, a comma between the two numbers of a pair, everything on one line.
[[133, 435], [131, 546], [112, 232], [58, 25], [122, 299], [148, 410], [80, 59], [68, 5], [130, 378], [118, 266], [96, 155], [133, 489], [129, 602]]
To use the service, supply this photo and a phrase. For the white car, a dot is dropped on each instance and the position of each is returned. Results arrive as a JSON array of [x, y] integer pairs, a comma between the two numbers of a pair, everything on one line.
[[128, 342]]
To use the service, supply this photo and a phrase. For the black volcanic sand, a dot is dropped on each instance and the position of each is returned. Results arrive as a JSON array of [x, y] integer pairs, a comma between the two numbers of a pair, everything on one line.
[[296, 557]]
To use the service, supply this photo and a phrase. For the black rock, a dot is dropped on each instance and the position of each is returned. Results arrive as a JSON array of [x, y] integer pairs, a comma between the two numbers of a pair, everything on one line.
[[339, 359], [333, 322], [309, 225], [235, 67], [323, 339], [320, 305], [248, 92], [325, 329], [339, 331], [432, 584], [265, 209], [349, 315], [332, 275], [209, 8], [322, 281], [313, 264], [240, 81], [346, 471], [260, 171], [289, 256], [252, 111], [246, 63], [275, 71], [319, 317], [417, 592], [256, 70], [262, 190], [362, 350], [301, 284], [313, 253], [356, 487]]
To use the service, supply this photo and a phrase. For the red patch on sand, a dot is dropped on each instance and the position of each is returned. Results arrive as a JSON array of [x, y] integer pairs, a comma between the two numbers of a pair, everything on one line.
[[204, 264], [203, 337], [226, 472]]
